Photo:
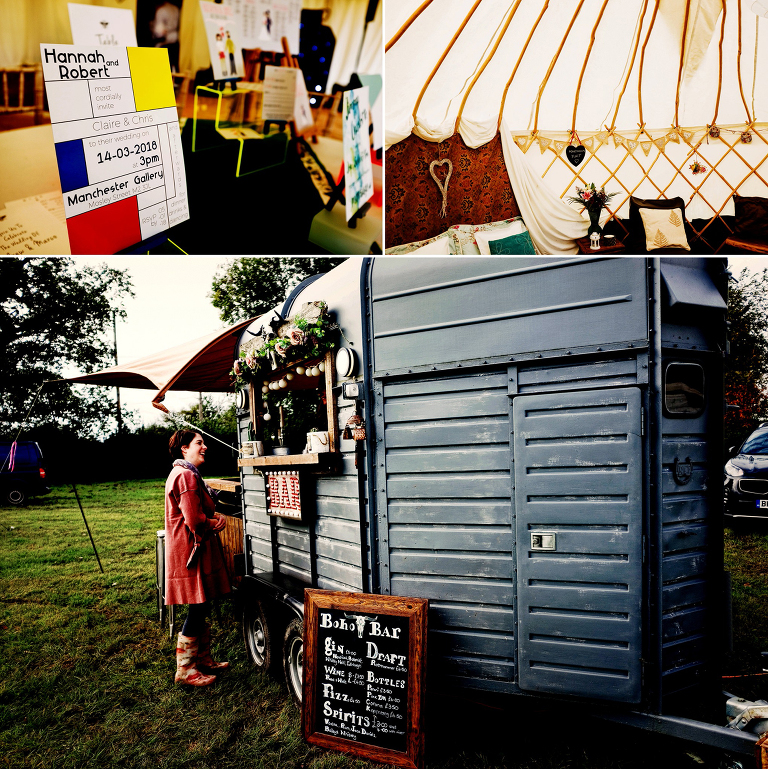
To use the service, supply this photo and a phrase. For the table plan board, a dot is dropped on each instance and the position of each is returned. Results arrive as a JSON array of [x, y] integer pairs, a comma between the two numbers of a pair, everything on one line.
[[117, 141]]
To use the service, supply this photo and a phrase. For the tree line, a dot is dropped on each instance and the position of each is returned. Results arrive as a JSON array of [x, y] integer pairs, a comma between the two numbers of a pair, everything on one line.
[[56, 318]]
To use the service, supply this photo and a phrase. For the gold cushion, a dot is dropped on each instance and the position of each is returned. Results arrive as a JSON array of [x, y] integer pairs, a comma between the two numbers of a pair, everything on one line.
[[664, 228]]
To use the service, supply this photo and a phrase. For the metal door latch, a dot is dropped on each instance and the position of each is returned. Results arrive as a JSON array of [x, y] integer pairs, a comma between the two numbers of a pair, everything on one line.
[[543, 541]]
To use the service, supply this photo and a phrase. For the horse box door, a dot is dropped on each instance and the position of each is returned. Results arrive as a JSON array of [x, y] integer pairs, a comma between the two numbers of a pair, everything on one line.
[[578, 499]]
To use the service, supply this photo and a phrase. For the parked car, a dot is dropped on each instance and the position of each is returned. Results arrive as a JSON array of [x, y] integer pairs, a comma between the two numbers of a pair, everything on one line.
[[28, 476], [746, 477]]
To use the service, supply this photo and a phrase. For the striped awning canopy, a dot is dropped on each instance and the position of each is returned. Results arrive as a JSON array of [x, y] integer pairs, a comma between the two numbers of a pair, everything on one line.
[[201, 365]]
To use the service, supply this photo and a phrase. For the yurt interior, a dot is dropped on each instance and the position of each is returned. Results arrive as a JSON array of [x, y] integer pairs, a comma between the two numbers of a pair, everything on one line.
[[577, 126]]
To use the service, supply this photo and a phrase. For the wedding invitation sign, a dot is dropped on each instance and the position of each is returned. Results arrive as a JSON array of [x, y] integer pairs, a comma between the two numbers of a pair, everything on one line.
[[225, 40], [96, 25], [117, 141], [358, 171], [285, 97], [264, 23]]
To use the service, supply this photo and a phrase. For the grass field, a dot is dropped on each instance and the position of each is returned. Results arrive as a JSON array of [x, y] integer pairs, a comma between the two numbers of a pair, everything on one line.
[[86, 672]]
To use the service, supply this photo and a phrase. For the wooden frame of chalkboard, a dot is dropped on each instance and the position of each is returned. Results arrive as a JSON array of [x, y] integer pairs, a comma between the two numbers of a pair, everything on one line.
[[365, 674]]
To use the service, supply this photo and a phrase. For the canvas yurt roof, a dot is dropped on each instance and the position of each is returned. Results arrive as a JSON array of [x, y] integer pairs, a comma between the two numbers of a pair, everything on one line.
[[457, 65], [637, 82]]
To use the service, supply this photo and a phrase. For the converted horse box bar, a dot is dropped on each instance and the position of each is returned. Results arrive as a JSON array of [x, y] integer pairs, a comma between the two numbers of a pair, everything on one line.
[[541, 461]]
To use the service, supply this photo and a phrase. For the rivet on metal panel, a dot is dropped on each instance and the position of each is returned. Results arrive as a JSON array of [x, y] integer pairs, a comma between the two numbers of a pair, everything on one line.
[[568, 352], [485, 361], [511, 359], [511, 379], [538, 355], [599, 349]]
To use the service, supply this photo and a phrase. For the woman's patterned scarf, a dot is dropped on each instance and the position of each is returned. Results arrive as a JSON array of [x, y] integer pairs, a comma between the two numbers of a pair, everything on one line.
[[201, 484]]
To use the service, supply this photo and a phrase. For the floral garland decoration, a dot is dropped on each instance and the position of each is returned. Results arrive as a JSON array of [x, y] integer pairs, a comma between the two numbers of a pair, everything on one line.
[[302, 339]]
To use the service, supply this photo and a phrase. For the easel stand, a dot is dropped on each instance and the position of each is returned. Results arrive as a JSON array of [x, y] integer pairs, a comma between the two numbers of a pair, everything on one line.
[[337, 196]]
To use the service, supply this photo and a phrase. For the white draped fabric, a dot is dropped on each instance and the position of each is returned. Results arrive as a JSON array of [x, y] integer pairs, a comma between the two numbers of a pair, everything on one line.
[[552, 224], [480, 61]]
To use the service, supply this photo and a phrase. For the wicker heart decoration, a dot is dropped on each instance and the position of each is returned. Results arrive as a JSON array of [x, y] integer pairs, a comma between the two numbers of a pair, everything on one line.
[[442, 186]]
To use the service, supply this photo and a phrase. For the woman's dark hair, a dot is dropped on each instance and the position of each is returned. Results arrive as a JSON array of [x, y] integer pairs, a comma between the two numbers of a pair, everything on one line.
[[178, 439]]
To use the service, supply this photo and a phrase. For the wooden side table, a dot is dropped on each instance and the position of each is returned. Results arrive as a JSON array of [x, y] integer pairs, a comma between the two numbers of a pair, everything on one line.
[[586, 248]]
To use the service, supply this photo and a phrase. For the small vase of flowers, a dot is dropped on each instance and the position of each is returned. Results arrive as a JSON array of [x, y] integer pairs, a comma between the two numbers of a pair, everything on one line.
[[594, 201]]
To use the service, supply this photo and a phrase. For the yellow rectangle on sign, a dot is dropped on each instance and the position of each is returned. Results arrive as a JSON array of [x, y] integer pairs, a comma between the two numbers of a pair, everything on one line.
[[151, 76]]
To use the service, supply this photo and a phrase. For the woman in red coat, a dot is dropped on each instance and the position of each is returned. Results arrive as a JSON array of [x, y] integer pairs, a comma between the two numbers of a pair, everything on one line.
[[194, 565]]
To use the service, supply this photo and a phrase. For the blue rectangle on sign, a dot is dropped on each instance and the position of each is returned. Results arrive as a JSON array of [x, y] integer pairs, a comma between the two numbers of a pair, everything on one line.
[[71, 159]]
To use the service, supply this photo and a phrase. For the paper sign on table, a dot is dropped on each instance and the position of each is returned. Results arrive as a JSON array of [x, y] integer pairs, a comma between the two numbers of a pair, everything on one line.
[[97, 25], [225, 40], [285, 97], [264, 23], [29, 228], [117, 141], [358, 171]]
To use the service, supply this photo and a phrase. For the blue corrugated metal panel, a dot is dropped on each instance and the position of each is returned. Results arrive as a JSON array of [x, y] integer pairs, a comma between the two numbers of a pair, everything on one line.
[[578, 475], [439, 311], [449, 535], [610, 373], [686, 533]]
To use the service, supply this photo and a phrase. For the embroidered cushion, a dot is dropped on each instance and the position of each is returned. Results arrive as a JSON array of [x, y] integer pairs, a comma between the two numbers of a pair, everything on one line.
[[513, 244], [664, 228], [440, 244]]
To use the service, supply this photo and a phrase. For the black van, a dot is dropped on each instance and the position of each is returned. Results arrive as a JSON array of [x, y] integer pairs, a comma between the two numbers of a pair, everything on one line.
[[27, 479]]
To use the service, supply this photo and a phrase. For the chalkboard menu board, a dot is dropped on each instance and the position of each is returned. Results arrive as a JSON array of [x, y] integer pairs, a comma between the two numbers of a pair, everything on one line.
[[364, 673]]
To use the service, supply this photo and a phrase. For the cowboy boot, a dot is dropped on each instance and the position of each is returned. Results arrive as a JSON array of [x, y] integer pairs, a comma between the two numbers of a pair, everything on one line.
[[186, 663], [204, 660]]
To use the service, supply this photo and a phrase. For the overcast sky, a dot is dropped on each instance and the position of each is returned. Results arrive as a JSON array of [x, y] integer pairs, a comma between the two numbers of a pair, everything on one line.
[[171, 306]]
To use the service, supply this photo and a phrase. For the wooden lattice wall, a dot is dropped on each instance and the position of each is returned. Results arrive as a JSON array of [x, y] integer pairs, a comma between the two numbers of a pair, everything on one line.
[[664, 172]]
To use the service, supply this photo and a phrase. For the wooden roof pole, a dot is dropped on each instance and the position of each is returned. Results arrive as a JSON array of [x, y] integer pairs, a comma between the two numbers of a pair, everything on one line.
[[642, 63], [400, 32], [682, 61], [720, 70], [738, 68], [519, 59], [486, 63], [631, 67], [552, 65], [584, 67], [442, 58]]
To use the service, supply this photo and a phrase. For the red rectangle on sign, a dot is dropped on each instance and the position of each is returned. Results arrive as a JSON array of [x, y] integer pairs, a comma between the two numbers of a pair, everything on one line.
[[105, 230]]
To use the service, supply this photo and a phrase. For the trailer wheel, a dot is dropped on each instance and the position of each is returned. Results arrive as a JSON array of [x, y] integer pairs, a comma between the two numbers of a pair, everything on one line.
[[257, 637], [293, 659]]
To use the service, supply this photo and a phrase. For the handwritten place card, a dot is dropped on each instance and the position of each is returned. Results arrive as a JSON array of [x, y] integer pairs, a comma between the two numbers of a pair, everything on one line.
[[29, 229]]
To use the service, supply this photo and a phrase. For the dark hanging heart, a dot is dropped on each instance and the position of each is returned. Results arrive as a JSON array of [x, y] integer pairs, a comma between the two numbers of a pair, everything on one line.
[[575, 154]]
